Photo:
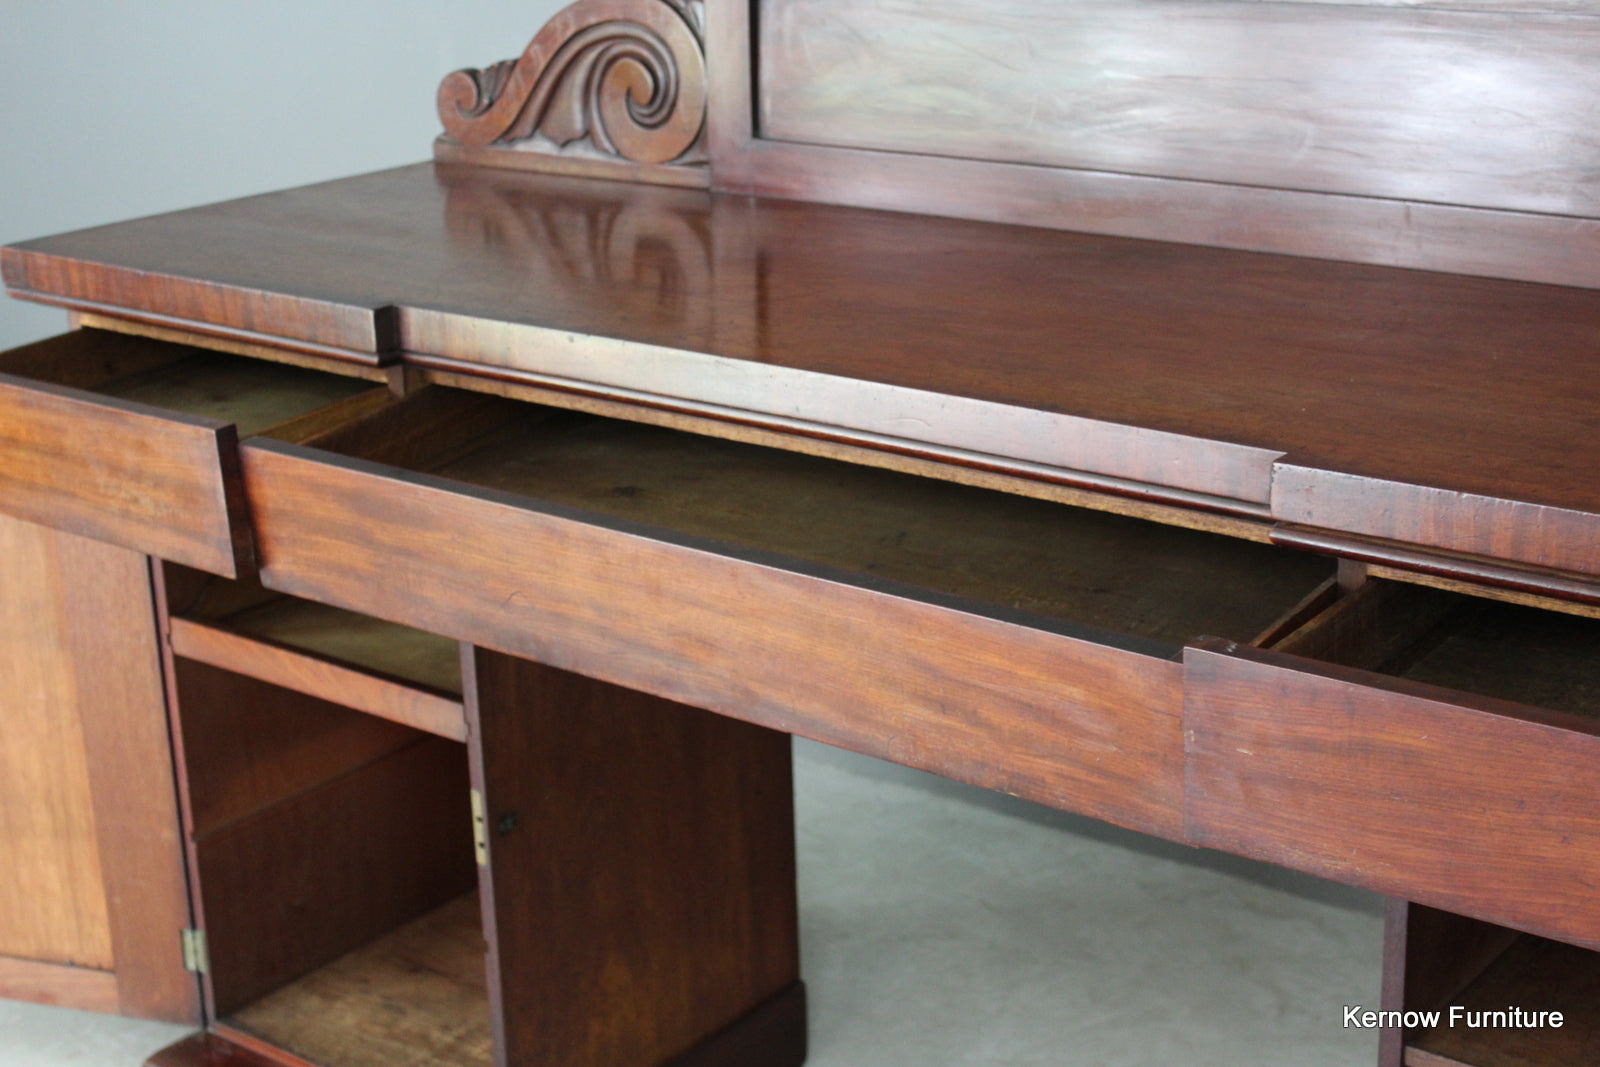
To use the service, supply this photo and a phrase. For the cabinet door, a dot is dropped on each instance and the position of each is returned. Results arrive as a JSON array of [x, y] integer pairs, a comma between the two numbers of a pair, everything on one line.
[[92, 897], [638, 890]]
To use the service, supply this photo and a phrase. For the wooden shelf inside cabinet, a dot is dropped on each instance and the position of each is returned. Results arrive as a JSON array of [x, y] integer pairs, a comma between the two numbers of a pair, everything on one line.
[[1533, 974], [414, 997], [382, 668], [1454, 966], [332, 849]]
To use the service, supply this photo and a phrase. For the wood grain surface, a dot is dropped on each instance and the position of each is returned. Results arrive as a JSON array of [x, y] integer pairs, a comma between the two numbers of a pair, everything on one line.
[[1134, 120], [329, 869], [412, 998], [157, 481], [233, 305], [111, 623], [52, 901], [1036, 352], [1518, 584], [1480, 107], [325, 669], [249, 745], [1492, 527], [94, 893], [1465, 803], [1019, 703], [145, 459], [58, 984], [212, 1050], [1536, 975], [640, 892]]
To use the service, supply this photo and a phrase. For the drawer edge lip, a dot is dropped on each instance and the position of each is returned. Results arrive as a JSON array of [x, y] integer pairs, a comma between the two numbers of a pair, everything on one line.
[[799, 428], [1567, 585], [706, 381], [1474, 704], [91, 399], [1546, 536], [370, 354], [1146, 647]]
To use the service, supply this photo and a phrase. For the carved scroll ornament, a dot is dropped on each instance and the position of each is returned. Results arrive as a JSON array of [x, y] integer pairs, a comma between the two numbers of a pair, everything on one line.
[[609, 80]]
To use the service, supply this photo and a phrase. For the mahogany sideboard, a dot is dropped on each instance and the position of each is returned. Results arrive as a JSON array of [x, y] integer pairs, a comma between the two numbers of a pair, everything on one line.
[[1180, 414]]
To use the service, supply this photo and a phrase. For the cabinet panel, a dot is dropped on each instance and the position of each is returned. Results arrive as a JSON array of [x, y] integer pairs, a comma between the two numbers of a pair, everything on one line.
[[52, 905], [92, 896], [640, 882]]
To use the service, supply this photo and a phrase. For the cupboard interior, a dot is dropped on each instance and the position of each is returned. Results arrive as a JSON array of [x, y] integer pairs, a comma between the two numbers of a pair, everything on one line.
[[1451, 960], [379, 667], [1087, 568], [257, 396], [332, 854]]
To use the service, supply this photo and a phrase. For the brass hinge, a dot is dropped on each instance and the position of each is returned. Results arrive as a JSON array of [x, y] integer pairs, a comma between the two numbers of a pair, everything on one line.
[[480, 830], [195, 957]]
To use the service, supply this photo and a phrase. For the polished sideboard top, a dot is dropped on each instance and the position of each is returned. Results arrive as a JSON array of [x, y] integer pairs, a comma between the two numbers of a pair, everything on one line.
[[1399, 410]]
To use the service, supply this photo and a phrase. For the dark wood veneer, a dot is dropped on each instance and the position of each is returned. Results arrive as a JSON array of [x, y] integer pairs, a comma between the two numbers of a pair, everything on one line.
[[638, 889], [1171, 368], [640, 892], [1471, 804], [1080, 724]]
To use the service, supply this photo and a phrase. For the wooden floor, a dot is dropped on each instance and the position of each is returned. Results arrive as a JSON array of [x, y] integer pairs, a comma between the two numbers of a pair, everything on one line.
[[416, 997]]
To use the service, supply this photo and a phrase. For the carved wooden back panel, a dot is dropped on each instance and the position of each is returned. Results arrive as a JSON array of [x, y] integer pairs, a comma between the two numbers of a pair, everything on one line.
[[1450, 136]]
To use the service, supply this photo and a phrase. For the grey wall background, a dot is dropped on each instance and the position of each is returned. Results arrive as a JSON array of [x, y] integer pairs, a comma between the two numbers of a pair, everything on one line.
[[114, 110]]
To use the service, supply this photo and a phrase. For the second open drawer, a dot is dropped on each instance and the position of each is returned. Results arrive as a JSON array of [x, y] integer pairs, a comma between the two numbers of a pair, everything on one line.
[[1429, 745], [1014, 643], [132, 441]]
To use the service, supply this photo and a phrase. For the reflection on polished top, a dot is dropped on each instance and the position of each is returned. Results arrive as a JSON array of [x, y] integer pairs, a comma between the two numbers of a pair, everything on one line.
[[1263, 383]]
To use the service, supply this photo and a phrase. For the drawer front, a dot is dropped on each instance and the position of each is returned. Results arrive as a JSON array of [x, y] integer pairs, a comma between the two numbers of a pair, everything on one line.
[[1465, 803], [1059, 719], [162, 483]]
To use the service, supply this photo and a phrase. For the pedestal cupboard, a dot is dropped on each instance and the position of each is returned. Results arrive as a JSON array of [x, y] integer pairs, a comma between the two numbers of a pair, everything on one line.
[[1196, 438]]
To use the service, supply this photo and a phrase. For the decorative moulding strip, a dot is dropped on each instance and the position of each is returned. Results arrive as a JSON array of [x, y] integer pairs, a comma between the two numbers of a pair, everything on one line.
[[897, 417], [1519, 246], [347, 332], [606, 89], [1472, 524]]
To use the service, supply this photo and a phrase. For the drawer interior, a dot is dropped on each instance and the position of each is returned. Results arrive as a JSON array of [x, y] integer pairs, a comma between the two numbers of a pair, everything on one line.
[[1533, 656], [1543, 658], [255, 395], [1088, 568]]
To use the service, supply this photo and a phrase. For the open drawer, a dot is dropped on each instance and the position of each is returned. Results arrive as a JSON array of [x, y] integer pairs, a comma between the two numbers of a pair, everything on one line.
[[133, 441], [1425, 744], [1009, 642]]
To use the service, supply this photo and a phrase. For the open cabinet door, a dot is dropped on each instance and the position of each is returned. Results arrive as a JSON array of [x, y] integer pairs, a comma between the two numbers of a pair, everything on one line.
[[638, 894], [93, 902]]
